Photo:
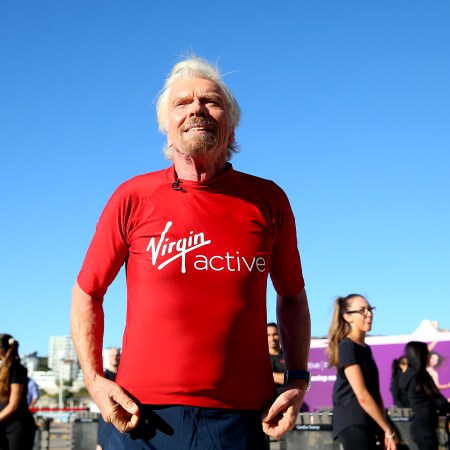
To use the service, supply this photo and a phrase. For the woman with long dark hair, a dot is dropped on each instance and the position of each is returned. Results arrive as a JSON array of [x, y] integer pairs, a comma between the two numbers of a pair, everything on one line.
[[420, 393], [17, 426], [398, 367], [359, 417]]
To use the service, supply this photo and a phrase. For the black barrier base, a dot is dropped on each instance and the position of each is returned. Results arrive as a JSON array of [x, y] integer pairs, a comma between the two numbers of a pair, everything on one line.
[[85, 431], [313, 430], [84, 435], [401, 420], [302, 439]]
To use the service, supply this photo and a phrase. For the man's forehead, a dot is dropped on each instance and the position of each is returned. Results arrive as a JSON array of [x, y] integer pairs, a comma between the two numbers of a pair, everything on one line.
[[192, 86]]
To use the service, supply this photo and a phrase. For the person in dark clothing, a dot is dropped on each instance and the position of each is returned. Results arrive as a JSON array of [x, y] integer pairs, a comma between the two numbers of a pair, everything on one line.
[[113, 363], [419, 392], [17, 426], [276, 356], [359, 417], [399, 366]]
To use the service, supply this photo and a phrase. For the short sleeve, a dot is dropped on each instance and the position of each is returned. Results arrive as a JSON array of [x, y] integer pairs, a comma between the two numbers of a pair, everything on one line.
[[286, 271], [347, 353], [19, 374], [109, 247]]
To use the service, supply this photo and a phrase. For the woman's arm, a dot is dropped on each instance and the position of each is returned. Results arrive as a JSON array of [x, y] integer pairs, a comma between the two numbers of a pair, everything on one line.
[[14, 400], [435, 377], [369, 405]]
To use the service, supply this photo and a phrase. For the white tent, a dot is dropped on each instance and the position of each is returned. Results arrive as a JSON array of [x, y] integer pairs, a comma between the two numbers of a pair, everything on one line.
[[427, 331]]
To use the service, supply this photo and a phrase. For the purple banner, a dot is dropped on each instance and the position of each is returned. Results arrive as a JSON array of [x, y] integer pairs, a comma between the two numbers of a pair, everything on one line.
[[384, 352]]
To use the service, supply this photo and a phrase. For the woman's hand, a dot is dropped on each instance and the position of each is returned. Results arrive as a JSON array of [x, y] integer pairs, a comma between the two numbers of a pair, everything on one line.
[[390, 440]]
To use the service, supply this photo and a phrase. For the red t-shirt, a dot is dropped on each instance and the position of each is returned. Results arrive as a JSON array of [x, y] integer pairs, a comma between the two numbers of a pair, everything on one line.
[[197, 262]]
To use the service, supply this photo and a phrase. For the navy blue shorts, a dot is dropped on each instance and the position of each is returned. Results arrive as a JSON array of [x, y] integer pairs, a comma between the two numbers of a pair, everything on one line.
[[189, 428]]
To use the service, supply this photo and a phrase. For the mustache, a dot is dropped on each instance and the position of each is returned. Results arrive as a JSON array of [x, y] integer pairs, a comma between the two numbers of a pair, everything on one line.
[[198, 123]]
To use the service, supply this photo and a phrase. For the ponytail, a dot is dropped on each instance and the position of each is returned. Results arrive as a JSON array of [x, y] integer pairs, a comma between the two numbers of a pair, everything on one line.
[[10, 348], [339, 328]]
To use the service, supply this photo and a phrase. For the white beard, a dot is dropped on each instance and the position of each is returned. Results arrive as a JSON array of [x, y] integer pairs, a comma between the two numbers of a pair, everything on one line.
[[196, 145]]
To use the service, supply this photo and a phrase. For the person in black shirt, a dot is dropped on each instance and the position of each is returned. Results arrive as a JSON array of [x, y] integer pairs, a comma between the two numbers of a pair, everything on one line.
[[359, 417], [17, 426], [399, 365], [419, 392], [276, 356]]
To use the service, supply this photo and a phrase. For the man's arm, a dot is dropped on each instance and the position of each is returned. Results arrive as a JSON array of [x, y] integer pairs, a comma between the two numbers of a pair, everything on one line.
[[294, 326], [33, 392], [87, 325]]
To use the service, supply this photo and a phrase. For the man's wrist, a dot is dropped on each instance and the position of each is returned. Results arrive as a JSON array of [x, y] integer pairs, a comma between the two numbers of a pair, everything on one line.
[[297, 384], [299, 377]]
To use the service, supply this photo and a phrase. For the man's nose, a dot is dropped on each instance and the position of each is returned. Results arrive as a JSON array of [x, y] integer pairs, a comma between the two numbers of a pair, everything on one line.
[[197, 108]]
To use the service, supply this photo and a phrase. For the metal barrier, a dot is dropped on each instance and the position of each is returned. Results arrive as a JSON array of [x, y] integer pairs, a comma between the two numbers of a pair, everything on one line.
[[84, 427], [79, 433], [401, 418], [444, 433], [42, 437], [313, 430]]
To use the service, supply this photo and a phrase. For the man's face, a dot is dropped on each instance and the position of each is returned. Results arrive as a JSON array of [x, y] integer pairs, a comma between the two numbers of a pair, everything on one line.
[[114, 357], [198, 121], [273, 338]]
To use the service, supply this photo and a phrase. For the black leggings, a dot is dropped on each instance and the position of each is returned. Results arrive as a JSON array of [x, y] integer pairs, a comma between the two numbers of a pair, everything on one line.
[[357, 437], [423, 433], [18, 434]]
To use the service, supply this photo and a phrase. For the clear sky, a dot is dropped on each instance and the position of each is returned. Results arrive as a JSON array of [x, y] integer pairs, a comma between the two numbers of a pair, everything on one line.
[[346, 105]]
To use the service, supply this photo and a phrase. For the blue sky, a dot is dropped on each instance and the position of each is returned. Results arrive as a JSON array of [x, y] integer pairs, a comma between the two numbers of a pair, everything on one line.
[[346, 105]]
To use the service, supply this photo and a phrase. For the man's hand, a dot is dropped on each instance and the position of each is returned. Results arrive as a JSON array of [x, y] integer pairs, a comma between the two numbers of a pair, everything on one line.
[[114, 404], [87, 325], [282, 415]]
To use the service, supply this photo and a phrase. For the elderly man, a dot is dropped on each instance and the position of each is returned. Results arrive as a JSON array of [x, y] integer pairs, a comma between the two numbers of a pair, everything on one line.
[[199, 240]]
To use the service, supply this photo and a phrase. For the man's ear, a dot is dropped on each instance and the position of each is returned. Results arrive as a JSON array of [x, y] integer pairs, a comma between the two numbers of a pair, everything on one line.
[[169, 139], [232, 137]]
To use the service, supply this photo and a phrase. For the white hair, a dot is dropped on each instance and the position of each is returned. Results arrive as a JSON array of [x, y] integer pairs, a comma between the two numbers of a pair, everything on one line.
[[196, 67]]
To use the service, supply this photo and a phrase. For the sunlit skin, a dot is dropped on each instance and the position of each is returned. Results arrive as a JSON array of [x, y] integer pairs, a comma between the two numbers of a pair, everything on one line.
[[199, 128], [360, 325], [403, 364], [113, 359], [433, 362]]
